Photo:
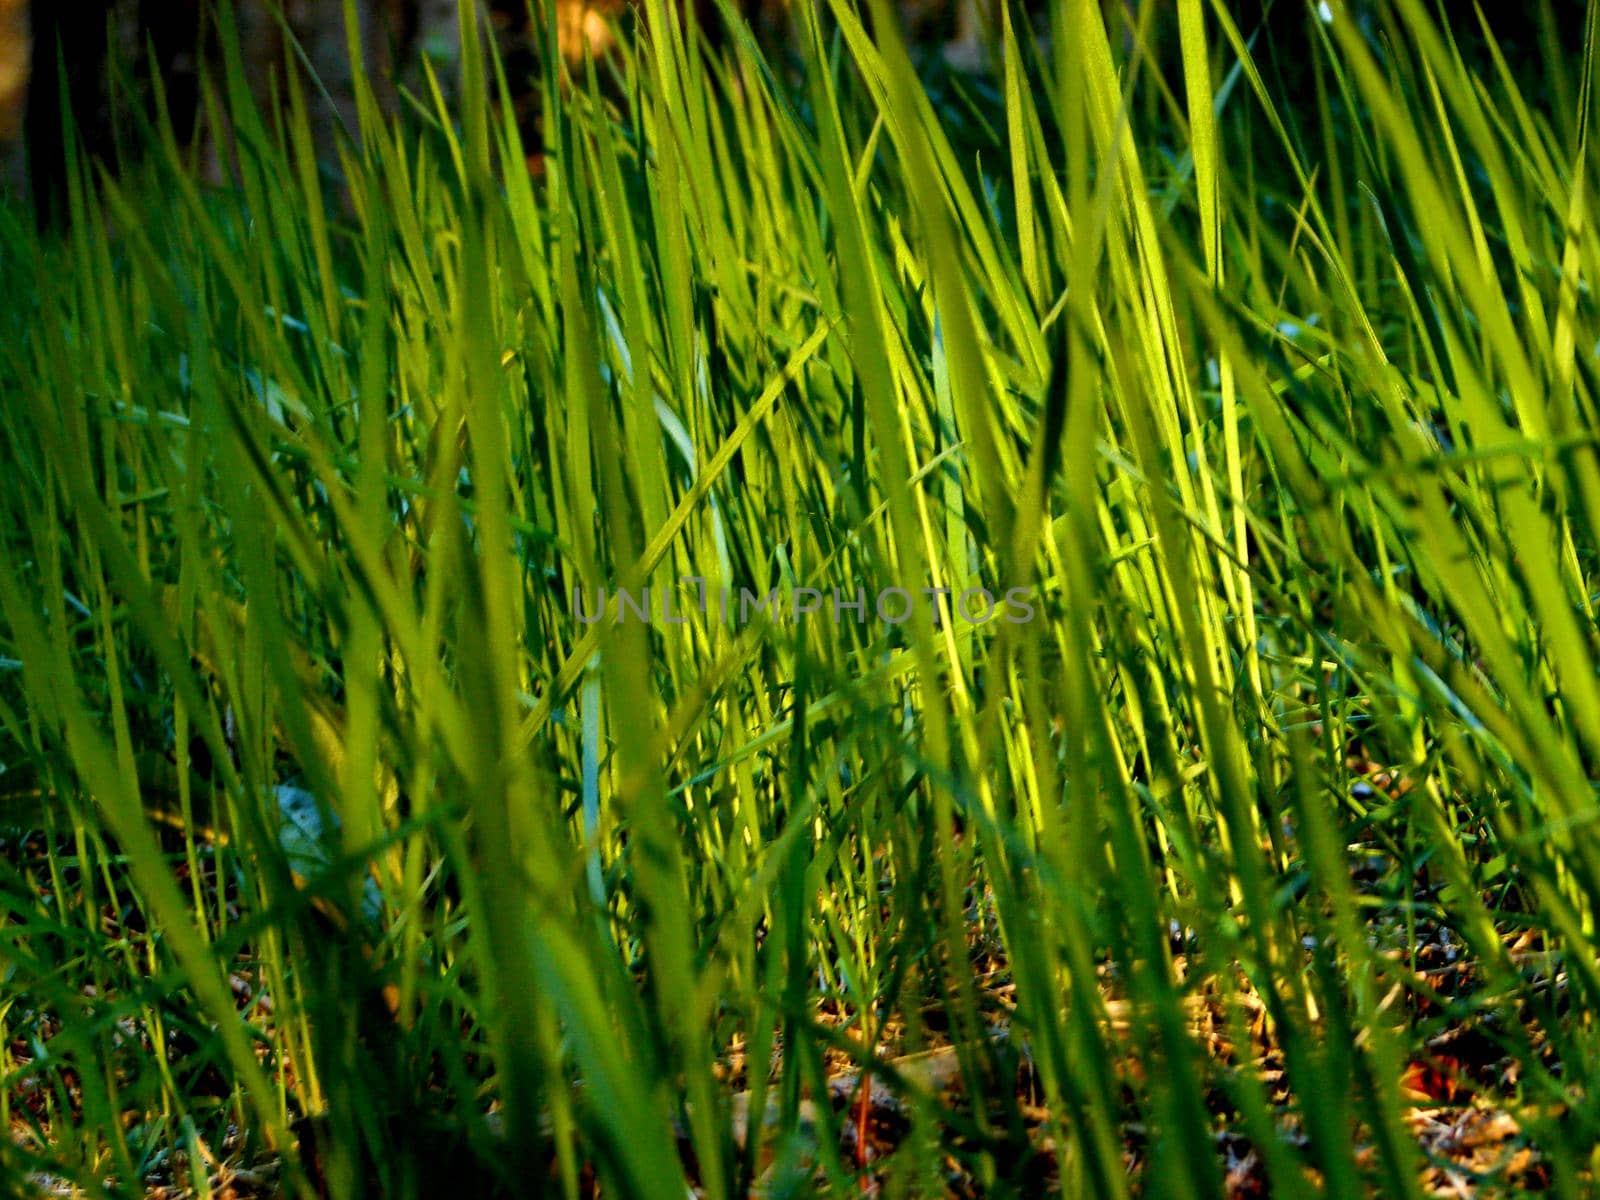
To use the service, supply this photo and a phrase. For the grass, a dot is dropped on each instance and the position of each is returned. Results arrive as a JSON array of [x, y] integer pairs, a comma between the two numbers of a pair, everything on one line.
[[343, 855]]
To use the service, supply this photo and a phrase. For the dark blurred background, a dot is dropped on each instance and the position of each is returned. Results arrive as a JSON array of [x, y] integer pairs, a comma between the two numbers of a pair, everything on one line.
[[1541, 40]]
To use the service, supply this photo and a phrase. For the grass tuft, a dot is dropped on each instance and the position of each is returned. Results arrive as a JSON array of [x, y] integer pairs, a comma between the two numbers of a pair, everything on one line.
[[1246, 845]]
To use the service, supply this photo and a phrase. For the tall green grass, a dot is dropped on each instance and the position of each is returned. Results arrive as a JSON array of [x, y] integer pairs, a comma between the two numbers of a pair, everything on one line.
[[336, 841]]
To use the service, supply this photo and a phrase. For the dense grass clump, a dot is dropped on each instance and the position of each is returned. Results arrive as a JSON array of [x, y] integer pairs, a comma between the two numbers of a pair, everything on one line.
[[1248, 846]]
